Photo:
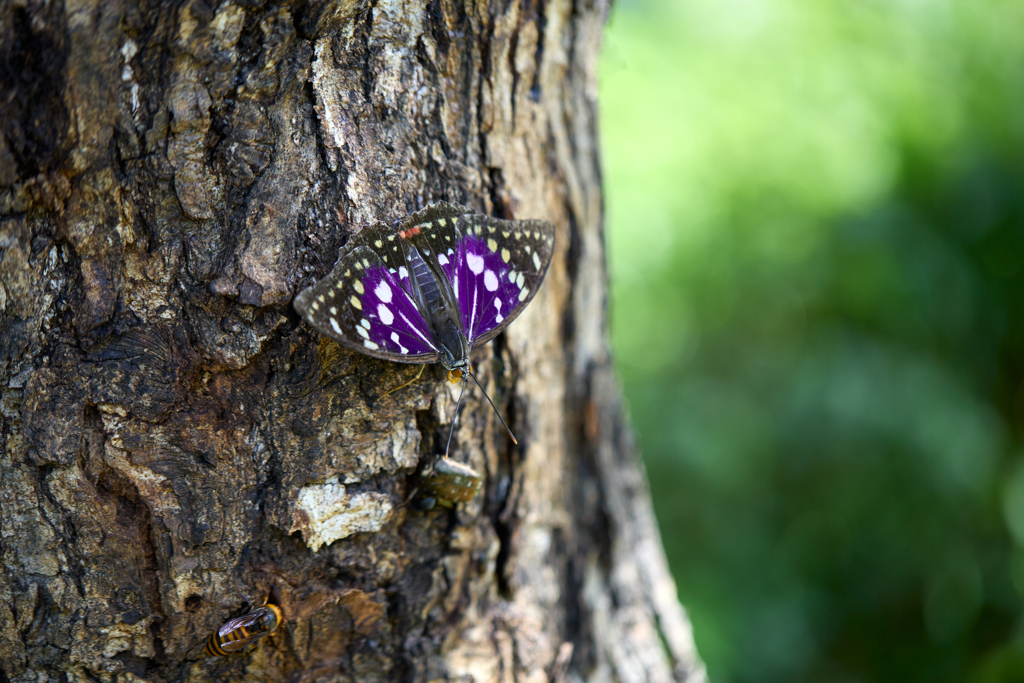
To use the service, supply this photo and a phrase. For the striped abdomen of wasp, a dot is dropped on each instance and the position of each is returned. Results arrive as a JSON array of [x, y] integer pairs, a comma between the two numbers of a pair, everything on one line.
[[236, 634]]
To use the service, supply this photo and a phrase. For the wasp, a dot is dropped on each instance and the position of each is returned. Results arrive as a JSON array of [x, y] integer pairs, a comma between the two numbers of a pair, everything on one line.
[[238, 633], [449, 483]]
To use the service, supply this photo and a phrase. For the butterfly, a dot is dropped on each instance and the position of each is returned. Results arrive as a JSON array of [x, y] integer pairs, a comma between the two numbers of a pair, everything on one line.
[[430, 288], [448, 483]]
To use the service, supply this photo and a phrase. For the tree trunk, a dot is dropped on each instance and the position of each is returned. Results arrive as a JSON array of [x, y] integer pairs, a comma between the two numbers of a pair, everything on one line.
[[178, 446]]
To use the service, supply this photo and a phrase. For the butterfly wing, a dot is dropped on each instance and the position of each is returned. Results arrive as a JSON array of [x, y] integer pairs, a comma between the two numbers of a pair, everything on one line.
[[365, 302], [496, 268]]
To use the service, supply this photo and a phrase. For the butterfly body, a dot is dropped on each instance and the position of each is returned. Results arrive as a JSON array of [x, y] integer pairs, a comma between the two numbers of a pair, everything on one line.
[[431, 289]]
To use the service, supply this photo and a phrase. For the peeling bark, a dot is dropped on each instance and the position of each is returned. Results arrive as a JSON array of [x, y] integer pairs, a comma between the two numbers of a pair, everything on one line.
[[177, 445]]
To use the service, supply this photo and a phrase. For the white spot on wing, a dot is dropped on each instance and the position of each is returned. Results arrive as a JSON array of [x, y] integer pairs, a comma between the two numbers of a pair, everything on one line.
[[490, 281], [394, 338], [523, 293], [442, 259], [476, 263], [363, 333], [402, 272], [370, 345], [472, 315], [335, 325], [536, 261], [386, 316], [358, 286], [383, 291], [355, 302], [416, 331], [365, 323]]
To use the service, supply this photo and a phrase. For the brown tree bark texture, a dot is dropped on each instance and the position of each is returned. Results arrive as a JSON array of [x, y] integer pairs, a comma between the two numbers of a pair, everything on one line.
[[177, 444]]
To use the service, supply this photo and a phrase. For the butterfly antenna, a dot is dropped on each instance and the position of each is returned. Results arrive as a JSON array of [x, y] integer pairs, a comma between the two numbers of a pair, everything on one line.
[[511, 435], [454, 418]]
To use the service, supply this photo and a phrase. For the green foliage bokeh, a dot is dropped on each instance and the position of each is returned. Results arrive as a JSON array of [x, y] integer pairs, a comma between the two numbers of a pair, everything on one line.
[[815, 216]]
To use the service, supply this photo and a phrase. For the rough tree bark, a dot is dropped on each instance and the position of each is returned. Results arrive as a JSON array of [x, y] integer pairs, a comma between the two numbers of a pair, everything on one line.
[[177, 443]]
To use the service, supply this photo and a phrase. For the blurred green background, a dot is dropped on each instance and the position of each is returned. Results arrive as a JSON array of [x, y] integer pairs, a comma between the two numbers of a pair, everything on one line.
[[815, 215]]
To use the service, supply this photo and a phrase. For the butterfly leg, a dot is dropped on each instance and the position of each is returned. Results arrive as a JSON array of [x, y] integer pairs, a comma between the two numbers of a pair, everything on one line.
[[402, 386]]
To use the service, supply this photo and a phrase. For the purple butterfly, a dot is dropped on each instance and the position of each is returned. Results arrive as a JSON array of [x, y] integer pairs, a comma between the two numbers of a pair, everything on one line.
[[441, 283]]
